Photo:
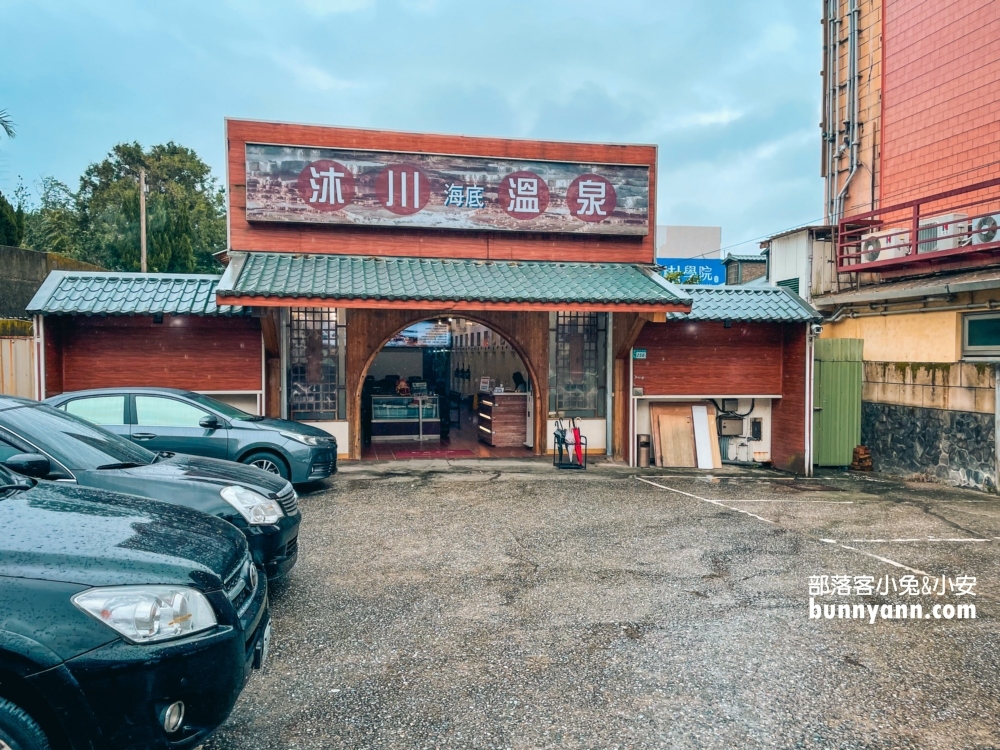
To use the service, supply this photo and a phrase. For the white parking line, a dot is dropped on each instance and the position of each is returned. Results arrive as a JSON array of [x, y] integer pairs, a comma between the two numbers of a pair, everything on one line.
[[834, 542], [926, 539], [811, 502], [706, 500]]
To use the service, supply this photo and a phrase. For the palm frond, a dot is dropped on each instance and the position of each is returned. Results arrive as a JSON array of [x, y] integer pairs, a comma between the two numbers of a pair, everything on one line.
[[7, 124]]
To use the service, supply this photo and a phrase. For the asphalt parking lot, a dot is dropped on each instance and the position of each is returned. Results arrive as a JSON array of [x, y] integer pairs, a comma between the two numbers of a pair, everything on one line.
[[502, 605]]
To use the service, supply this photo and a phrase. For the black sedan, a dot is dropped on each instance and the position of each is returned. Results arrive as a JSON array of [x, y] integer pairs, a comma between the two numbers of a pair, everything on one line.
[[124, 622], [39, 441], [168, 419]]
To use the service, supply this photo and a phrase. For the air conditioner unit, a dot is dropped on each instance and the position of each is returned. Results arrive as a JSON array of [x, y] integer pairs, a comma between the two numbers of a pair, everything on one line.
[[935, 227], [986, 229], [889, 243]]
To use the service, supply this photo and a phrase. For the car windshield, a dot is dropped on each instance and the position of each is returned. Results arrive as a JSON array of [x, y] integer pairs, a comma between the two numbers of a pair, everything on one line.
[[230, 412], [72, 441]]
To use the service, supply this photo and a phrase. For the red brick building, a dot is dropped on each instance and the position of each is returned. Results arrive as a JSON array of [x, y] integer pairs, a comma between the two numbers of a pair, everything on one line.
[[342, 241]]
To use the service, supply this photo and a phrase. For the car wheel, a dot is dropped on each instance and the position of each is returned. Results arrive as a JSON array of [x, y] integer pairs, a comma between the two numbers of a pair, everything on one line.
[[268, 462], [18, 731]]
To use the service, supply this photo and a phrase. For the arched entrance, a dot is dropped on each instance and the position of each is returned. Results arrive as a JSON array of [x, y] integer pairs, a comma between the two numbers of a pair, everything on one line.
[[371, 330]]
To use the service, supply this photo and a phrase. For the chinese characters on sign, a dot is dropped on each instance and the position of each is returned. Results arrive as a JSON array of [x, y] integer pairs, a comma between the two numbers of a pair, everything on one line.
[[524, 195], [339, 186], [327, 185], [707, 271], [402, 189], [469, 196]]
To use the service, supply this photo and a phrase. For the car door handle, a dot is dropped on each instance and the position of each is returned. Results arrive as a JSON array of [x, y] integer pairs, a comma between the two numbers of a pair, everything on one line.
[[143, 435]]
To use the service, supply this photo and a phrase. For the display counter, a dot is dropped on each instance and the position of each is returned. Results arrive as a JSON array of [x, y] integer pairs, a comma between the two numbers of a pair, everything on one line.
[[503, 419], [405, 418]]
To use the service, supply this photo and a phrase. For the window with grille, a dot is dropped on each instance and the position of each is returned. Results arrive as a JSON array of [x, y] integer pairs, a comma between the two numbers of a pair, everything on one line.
[[577, 364], [316, 389]]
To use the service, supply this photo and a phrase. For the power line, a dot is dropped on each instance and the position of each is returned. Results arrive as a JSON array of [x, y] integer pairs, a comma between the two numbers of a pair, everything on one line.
[[755, 239], [883, 200]]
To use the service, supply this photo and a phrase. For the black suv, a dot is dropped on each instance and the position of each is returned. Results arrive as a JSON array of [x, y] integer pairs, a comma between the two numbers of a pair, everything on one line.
[[39, 441], [124, 622]]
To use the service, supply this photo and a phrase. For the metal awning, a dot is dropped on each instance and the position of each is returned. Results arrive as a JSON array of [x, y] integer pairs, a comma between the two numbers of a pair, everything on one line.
[[753, 304], [285, 279], [114, 293]]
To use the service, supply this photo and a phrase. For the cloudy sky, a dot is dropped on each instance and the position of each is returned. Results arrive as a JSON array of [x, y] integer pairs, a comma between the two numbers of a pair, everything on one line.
[[728, 89]]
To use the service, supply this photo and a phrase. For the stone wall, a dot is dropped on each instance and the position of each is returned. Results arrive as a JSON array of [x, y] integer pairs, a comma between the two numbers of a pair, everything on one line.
[[933, 419], [959, 386], [956, 447]]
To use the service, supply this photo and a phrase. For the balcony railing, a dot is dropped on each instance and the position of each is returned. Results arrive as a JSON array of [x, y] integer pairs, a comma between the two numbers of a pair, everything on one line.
[[923, 233]]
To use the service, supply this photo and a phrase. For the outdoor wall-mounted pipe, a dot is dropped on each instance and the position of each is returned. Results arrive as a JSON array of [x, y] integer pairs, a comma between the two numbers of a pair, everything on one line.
[[832, 103], [853, 106], [944, 308], [837, 314]]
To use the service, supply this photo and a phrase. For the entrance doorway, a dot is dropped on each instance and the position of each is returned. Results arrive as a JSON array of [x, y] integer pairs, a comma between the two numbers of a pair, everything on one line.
[[447, 388]]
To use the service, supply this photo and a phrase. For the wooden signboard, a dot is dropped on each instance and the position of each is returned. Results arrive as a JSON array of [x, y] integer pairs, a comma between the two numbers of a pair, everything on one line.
[[440, 191]]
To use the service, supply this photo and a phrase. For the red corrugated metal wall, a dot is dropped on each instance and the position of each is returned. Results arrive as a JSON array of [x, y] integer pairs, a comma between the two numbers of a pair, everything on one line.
[[205, 354], [707, 358]]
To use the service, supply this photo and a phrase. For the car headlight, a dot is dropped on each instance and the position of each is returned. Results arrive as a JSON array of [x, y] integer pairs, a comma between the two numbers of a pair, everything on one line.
[[148, 614], [253, 506], [306, 439]]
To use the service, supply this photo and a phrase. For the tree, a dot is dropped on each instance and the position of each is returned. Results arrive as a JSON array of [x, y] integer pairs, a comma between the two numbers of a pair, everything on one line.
[[6, 124], [185, 210], [678, 277], [53, 226], [11, 223]]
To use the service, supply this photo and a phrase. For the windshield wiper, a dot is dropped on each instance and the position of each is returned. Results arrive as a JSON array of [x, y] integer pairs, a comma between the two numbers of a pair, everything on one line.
[[161, 455], [251, 418], [122, 465]]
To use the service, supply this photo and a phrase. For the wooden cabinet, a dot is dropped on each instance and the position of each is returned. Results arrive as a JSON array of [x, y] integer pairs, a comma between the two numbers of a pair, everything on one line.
[[503, 419]]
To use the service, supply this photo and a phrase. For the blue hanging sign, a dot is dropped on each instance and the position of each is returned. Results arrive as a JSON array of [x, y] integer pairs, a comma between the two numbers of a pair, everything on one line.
[[709, 271]]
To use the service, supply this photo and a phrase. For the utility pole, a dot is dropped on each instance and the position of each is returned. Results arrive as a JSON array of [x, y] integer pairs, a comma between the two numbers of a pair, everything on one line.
[[142, 219]]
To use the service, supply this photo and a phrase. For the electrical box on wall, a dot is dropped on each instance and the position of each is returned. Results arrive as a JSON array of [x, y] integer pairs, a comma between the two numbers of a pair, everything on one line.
[[731, 426], [756, 429], [731, 404]]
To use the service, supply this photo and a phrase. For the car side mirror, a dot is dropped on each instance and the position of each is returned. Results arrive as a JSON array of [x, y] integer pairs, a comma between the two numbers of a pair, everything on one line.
[[29, 465], [209, 422]]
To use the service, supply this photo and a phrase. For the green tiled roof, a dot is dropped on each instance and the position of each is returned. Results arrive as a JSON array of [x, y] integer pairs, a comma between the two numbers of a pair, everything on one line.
[[746, 303], [109, 293], [759, 258], [346, 277]]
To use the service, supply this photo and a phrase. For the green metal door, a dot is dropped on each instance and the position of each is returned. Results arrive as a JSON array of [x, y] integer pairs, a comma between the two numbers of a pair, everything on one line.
[[837, 376]]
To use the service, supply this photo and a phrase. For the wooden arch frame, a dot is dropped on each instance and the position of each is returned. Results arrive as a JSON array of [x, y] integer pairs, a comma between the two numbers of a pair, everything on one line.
[[383, 325]]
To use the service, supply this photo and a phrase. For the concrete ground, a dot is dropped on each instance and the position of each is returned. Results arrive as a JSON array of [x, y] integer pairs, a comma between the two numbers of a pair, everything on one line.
[[506, 605]]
